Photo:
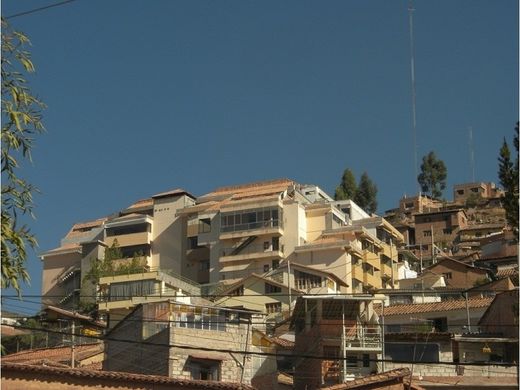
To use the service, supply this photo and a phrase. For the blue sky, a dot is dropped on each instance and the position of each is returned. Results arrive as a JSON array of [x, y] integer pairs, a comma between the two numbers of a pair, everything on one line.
[[145, 96]]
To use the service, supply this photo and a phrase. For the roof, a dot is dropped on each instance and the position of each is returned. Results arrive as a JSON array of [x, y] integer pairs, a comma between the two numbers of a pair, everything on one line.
[[141, 203], [63, 249], [315, 270], [174, 192], [446, 258], [54, 355], [459, 304], [68, 374], [256, 276], [282, 342], [72, 314], [483, 226], [469, 381], [445, 211], [398, 374], [512, 293], [12, 331]]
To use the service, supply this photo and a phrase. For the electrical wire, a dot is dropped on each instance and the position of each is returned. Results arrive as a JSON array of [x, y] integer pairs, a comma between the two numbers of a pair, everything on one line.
[[244, 352], [39, 9]]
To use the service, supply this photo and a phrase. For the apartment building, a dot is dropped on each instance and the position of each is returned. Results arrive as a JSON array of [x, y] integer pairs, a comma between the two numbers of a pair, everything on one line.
[[65, 267], [165, 241], [148, 229], [254, 228]]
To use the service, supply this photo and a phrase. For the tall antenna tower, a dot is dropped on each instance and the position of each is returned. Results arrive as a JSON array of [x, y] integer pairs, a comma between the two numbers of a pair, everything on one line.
[[412, 73], [471, 154]]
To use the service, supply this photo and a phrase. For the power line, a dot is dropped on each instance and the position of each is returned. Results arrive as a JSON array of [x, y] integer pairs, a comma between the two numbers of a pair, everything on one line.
[[39, 9], [243, 352]]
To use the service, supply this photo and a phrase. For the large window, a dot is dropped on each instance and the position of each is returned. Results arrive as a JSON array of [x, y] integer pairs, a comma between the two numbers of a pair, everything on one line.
[[250, 219], [119, 230], [204, 369], [127, 290], [424, 352], [271, 289]]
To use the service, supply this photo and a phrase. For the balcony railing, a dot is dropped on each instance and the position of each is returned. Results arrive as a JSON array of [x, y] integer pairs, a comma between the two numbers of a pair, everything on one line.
[[363, 336], [251, 226], [250, 249]]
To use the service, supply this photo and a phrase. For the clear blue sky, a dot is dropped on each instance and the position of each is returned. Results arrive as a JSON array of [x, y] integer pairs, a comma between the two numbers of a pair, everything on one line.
[[145, 96]]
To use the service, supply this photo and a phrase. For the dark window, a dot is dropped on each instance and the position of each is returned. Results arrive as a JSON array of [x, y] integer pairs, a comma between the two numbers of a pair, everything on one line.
[[271, 289], [447, 275], [427, 233], [366, 360], [193, 243], [446, 231], [207, 370], [460, 192], [266, 267], [276, 243], [440, 324], [275, 264], [119, 230], [204, 225]]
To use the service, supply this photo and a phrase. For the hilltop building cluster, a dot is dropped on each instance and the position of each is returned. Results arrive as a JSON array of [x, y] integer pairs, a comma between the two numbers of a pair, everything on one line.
[[277, 285]]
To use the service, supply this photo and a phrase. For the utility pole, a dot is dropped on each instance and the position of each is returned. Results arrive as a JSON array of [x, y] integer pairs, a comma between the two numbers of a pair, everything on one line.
[[289, 284], [343, 341], [433, 244], [73, 340], [392, 264], [412, 75]]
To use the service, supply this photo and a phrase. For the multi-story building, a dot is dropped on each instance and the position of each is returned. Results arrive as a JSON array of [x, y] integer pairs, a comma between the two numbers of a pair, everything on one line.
[[343, 330], [253, 228], [65, 267], [483, 190], [190, 341]]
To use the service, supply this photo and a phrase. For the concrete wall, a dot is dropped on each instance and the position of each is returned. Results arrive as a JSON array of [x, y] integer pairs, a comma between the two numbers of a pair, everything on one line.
[[53, 266]]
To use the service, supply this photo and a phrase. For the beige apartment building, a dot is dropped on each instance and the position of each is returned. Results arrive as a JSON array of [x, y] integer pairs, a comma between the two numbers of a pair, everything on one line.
[[199, 246]]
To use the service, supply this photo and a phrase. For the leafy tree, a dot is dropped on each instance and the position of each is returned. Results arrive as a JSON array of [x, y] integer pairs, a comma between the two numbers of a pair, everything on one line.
[[433, 174], [347, 188], [508, 175], [366, 194], [21, 121]]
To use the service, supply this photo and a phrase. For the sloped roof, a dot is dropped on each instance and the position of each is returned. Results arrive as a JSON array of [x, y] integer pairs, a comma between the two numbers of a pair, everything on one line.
[[174, 192], [398, 374], [63, 249], [77, 316], [55, 355], [114, 376], [459, 304]]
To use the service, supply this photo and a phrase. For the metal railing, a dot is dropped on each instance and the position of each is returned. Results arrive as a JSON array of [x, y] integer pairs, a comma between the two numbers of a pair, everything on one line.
[[250, 249], [251, 226]]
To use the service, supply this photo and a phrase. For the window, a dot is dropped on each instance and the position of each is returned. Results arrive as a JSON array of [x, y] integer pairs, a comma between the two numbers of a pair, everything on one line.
[[276, 243], [474, 190], [408, 205], [460, 192], [204, 265], [237, 292], [207, 370], [267, 246], [275, 307], [275, 264], [266, 267], [447, 275], [204, 225], [271, 289], [366, 360], [250, 219], [427, 233], [193, 243], [424, 352], [446, 231], [440, 324]]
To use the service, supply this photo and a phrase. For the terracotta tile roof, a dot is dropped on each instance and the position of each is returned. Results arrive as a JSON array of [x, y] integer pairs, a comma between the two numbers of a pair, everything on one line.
[[141, 203], [466, 381], [57, 354], [459, 304], [277, 183], [398, 374], [89, 224], [508, 272], [282, 342], [483, 226], [11, 331], [67, 374]]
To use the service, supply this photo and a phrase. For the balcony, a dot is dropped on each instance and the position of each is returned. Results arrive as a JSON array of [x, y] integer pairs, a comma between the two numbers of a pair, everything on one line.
[[357, 272], [259, 228], [130, 239], [250, 252], [372, 259], [363, 338], [371, 280]]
